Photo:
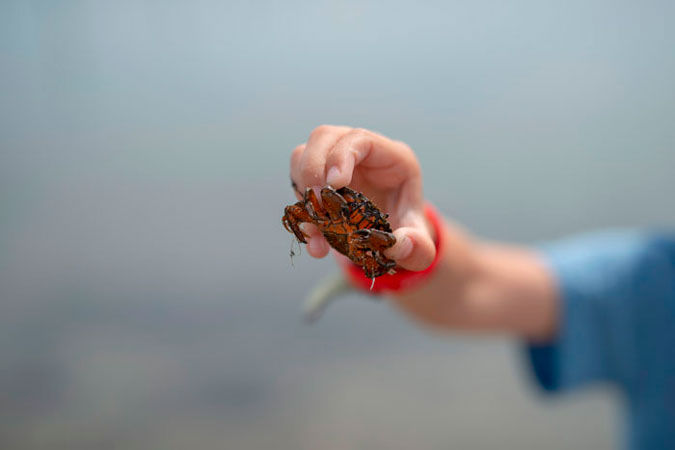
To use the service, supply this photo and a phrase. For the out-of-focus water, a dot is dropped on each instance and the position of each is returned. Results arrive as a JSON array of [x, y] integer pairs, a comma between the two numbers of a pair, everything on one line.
[[147, 299]]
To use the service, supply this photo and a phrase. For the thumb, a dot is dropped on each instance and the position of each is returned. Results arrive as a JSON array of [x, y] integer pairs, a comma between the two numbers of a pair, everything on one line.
[[414, 248]]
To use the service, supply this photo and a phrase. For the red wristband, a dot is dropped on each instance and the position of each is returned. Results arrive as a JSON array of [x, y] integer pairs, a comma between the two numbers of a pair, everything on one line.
[[403, 279]]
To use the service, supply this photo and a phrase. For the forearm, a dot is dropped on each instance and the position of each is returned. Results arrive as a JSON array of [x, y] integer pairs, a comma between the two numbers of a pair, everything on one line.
[[485, 287]]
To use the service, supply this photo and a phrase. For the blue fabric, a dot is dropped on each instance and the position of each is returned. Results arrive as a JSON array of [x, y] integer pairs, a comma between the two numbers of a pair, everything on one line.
[[617, 292]]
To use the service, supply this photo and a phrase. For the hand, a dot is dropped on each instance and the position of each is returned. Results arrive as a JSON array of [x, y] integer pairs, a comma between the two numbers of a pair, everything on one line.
[[386, 171]]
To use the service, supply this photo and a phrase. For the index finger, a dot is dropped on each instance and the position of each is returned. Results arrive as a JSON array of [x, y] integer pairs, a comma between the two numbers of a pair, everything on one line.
[[311, 167]]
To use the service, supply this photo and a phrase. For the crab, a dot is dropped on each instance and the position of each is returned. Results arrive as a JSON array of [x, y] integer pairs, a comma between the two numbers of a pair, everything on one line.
[[351, 224]]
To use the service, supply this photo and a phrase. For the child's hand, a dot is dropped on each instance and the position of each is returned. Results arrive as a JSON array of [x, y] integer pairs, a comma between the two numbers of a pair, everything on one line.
[[386, 171], [476, 286]]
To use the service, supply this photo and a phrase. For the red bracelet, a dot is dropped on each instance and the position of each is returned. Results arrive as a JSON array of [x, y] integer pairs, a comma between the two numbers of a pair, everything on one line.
[[403, 279]]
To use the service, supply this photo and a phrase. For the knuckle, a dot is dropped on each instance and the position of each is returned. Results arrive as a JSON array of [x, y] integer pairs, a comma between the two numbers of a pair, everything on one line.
[[321, 130], [357, 137], [346, 143], [360, 133], [405, 147]]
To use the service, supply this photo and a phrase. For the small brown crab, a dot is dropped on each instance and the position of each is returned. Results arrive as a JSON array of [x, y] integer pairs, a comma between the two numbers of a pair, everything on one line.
[[351, 224]]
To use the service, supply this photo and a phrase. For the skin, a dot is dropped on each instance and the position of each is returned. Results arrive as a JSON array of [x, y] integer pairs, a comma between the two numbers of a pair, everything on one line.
[[477, 286]]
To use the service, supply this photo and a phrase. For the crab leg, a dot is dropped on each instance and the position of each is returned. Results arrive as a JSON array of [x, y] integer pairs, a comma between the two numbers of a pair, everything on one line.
[[334, 204], [384, 262], [294, 215], [312, 205], [371, 242], [373, 239]]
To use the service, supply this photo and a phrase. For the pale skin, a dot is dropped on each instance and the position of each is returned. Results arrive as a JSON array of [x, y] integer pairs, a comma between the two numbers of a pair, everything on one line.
[[476, 286]]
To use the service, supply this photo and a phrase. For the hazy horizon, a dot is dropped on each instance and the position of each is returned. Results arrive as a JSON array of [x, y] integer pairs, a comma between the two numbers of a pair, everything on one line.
[[147, 298]]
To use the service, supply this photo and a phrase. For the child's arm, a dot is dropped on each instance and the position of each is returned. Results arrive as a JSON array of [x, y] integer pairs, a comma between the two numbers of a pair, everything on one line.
[[475, 286], [485, 287]]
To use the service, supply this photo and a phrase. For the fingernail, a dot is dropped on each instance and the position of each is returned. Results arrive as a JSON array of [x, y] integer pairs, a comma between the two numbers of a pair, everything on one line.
[[317, 192], [333, 175], [305, 228]]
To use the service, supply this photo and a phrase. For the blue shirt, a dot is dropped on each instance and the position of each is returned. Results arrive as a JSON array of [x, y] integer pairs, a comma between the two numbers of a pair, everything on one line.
[[617, 292]]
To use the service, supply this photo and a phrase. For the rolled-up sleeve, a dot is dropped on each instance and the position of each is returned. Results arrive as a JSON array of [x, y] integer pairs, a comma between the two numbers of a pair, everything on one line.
[[614, 290]]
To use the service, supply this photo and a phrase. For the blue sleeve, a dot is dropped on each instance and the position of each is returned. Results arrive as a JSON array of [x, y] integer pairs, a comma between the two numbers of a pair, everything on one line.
[[617, 309]]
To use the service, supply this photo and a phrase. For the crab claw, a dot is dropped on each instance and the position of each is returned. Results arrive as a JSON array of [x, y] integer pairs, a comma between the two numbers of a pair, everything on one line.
[[293, 216], [375, 239]]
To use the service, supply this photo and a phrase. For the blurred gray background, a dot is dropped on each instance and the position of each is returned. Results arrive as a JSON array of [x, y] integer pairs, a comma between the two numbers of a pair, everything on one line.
[[147, 300]]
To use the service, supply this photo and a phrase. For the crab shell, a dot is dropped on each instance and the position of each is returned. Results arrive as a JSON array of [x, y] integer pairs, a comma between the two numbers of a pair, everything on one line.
[[351, 224]]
